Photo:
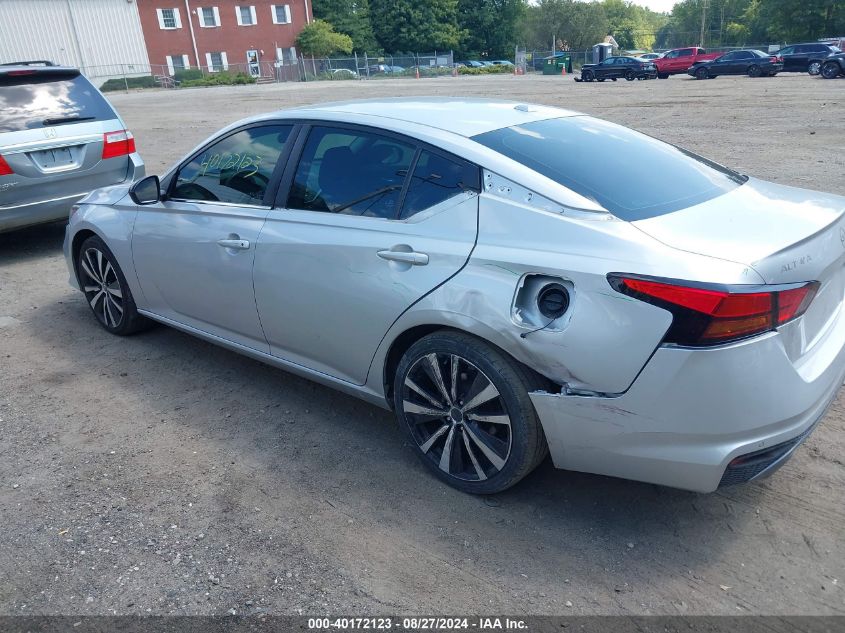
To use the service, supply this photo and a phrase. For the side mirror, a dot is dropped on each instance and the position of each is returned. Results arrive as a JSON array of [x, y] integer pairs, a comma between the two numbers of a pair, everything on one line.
[[146, 191]]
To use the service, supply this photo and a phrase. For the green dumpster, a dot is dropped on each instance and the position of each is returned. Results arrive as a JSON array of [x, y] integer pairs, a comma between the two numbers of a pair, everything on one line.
[[555, 65]]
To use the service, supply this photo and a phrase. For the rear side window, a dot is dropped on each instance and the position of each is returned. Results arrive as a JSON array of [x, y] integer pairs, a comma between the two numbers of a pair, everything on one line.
[[435, 180], [632, 175], [236, 169], [351, 172], [46, 99]]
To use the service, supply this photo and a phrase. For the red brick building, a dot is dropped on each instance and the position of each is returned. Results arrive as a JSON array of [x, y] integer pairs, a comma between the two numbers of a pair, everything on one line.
[[243, 35]]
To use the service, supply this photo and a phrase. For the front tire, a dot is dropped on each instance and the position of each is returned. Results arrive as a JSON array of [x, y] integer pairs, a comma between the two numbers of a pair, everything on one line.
[[466, 410], [702, 73], [105, 288], [830, 70]]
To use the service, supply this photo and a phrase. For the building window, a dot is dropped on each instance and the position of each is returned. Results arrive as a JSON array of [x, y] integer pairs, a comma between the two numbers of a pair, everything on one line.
[[246, 16], [281, 13], [216, 62], [208, 16], [169, 19], [177, 63]]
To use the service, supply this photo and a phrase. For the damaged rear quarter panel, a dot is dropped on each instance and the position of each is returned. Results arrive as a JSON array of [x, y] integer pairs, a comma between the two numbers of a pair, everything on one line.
[[606, 338]]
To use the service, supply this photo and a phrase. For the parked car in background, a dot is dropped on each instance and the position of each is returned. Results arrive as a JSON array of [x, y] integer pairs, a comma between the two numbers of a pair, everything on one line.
[[510, 280], [679, 60], [385, 69], [501, 62], [833, 66], [59, 139], [806, 58], [749, 62], [614, 68], [472, 64], [649, 56]]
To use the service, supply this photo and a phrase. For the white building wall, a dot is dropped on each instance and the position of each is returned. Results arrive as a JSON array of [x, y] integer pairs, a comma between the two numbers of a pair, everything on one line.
[[101, 37]]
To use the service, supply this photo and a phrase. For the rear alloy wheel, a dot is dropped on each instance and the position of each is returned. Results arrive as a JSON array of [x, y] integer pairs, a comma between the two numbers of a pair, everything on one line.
[[754, 71], [830, 70], [466, 408], [630, 76], [106, 290], [702, 73], [814, 68]]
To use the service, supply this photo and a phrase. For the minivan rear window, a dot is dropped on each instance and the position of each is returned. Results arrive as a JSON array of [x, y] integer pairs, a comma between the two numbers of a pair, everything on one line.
[[632, 175], [45, 99]]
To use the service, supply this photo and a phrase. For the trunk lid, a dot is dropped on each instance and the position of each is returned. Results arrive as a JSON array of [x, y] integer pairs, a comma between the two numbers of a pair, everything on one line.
[[787, 235]]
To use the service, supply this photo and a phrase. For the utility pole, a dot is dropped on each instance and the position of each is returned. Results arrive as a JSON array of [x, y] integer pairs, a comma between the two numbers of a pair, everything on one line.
[[703, 17]]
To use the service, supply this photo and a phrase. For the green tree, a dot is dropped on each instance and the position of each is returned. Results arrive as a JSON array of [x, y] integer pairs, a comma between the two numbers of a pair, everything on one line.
[[575, 25], [416, 26], [319, 39], [490, 27], [351, 17]]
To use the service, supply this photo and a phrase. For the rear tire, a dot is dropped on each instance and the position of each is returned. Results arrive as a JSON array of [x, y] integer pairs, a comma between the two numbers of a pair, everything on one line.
[[814, 68], [587, 75], [630, 76], [663, 75], [754, 70], [465, 407], [106, 290]]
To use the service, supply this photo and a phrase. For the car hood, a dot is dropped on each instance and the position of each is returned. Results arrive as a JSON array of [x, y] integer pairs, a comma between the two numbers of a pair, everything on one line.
[[758, 224]]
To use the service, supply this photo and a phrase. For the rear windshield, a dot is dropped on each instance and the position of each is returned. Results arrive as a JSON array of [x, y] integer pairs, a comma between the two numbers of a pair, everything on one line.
[[632, 175], [38, 100]]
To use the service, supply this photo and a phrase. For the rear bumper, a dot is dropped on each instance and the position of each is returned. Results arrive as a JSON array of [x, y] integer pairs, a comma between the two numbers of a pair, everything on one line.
[[58, 208], [691, 412]]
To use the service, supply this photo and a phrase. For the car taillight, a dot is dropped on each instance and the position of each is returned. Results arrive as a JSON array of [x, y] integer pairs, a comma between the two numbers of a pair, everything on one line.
[[5, 170], [120, 143], [703, 316]]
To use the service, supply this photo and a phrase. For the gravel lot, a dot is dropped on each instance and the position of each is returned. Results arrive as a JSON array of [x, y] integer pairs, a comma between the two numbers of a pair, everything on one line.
[[160, 474]]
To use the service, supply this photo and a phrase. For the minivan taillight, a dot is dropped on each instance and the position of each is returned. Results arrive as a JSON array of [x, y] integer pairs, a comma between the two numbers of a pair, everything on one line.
[[711, 315], [120, 143], [5, 170]]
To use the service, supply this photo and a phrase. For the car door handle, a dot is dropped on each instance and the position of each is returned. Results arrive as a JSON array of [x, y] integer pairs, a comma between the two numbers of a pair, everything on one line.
[[238, 245], [406, 257]]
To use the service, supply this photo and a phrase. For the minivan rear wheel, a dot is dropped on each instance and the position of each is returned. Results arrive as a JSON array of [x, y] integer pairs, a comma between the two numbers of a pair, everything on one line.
[[466, 409]]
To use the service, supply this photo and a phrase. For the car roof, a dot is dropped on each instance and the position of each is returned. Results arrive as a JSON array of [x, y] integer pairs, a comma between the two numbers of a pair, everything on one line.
[[457, 115]]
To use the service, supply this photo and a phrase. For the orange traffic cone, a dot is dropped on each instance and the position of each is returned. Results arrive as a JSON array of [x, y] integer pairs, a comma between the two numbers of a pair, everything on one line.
[[417, 74], [563, 71]]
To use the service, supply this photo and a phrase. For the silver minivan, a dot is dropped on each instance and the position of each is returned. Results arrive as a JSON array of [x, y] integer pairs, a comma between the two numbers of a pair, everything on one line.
[[59, 140]]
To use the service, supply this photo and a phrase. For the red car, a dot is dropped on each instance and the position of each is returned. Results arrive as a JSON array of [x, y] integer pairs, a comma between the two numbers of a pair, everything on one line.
[[679, 60]]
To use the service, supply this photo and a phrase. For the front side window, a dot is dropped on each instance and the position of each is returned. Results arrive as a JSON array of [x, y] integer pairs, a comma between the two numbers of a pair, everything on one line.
[[236, 169], [351, 172], [727, 57], [687, 52], [672, 54], [436, 179], [632, 175]]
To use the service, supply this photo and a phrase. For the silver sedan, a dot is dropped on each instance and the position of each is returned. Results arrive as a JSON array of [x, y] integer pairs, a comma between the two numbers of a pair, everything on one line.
[[510, 279]]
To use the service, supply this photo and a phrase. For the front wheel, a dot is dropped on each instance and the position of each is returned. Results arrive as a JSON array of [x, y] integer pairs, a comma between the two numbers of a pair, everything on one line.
[[106, 290], [830, 70], [702, 73], [814, 68], [754, 71], [466, 410]]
